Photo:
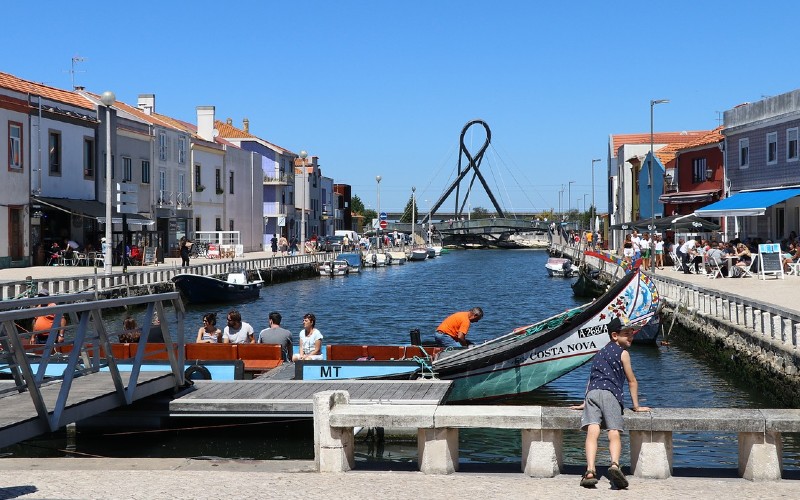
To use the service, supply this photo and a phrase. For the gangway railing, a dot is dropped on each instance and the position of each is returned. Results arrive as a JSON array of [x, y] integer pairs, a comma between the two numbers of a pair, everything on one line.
[[85, 348]]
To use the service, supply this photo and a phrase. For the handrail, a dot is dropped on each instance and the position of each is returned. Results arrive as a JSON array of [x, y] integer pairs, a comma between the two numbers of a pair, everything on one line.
[[85, 337]]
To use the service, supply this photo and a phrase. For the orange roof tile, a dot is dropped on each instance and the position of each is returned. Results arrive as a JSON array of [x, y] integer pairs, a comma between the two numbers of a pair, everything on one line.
[[712, 137], [658, 138], [66, 96], [229, 131]]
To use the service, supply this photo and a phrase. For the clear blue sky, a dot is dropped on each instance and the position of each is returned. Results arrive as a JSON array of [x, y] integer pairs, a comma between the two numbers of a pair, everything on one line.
[[384, 88]]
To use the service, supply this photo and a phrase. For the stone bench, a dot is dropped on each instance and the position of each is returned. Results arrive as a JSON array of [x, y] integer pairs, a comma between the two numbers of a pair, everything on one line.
[[760, 453]]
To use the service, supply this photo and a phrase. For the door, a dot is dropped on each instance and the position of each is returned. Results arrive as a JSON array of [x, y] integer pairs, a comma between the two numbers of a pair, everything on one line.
[[780, 223], [16, 239]]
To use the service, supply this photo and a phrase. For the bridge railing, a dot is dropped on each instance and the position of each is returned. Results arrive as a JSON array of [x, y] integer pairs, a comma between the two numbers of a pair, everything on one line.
[[85, 347]]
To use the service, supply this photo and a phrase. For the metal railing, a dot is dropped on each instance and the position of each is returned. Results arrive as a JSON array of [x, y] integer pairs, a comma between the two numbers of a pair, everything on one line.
[[85, 347]]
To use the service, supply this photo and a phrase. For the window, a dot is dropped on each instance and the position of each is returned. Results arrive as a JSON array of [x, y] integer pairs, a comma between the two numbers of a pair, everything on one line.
[[162, 186], [145, 171], [162, 146], [791, 144], [744, 153], [182, 150], [698, 170], [772, 148], [218, 181], [230, 184], [88, 158], [181, 183], [218, 224], [54, 152], [127, 169], [197, 224], [230, 225], [14, 146], [197, 180]]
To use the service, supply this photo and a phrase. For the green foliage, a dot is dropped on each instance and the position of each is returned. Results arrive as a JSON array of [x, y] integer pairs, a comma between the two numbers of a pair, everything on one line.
[[479, 213], [356, 205], [406, 217]]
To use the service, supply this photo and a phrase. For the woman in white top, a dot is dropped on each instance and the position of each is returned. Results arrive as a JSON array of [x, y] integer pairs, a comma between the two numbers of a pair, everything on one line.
[[659, 247], [209, 333], [310, 340], [644, 245]]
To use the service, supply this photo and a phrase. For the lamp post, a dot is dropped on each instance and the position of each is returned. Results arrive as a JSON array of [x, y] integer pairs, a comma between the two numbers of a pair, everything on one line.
[[594, 207], [413, 216], [560, 193], [569, 196], [303, 156], [378, 231], [652, 182], [108, 98]]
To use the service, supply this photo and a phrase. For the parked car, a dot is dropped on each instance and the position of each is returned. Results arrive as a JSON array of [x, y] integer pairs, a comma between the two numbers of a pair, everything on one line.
[[331, 244]]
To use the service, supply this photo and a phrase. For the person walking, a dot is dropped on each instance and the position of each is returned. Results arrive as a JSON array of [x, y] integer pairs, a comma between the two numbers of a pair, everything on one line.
[[603, 404], [185, 247]]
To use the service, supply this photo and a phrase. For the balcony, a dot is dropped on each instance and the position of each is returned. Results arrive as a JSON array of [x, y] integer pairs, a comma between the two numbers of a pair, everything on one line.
[[277, 179], [165, 198], [274, 209], [183, 200]]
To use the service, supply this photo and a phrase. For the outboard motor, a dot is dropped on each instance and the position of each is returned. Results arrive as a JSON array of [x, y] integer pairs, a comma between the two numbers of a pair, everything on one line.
[[567, 265], [415, 336]]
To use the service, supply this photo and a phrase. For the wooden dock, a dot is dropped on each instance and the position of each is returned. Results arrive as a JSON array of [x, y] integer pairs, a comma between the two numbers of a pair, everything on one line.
[[264, 398], [89, 395]]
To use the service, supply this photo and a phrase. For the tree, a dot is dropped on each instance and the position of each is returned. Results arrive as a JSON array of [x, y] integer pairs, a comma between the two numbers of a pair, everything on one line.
[[406, 217], [356, 205], [480, 213]]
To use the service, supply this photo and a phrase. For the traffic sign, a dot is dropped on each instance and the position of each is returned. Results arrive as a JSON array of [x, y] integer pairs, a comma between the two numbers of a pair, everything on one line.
[[384, 216], [384, 224]]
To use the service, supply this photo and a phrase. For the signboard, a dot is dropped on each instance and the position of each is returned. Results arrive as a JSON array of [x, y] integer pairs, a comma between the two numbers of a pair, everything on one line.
[[213, 251], [384, 224], [376, 223], [281, 221], [770, 260], [149, 255], [384, 216], [127, 198]]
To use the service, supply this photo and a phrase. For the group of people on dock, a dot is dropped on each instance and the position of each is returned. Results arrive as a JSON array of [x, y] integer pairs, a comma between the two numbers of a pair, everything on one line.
[[237, 331]]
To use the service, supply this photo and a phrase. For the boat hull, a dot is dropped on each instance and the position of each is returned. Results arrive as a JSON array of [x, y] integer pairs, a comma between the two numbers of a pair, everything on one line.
[[204, 289]]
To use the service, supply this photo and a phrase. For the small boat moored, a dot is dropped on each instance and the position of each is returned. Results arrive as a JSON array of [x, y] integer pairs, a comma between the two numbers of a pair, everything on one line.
[[332, 268], [237, 286], [353, 260], [561, 267]]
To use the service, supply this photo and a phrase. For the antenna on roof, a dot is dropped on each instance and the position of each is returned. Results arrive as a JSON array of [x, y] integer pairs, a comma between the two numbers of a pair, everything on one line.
[[72, 71], [719, 117]]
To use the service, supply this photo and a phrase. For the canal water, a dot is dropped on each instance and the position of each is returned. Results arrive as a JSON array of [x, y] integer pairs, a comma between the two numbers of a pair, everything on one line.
[[381, 306]]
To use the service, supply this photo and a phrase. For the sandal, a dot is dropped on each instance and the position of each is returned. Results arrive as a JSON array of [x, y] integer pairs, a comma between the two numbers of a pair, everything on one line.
[[589, 479], [616, 476]]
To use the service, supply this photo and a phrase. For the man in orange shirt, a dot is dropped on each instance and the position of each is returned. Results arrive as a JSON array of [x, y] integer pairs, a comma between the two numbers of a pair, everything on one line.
[[453, 330], [43, 324]]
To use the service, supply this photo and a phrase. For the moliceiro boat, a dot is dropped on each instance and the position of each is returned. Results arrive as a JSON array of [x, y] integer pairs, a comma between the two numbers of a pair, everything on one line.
[[519, 361]]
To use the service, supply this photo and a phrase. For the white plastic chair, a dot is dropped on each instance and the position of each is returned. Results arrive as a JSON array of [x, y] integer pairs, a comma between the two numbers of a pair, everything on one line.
[[749, 270], [715, 269], [677, 265]]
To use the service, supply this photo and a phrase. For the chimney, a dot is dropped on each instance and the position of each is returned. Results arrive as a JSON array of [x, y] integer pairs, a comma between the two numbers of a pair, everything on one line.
[[246, 125], [205, 123], [147, 103], [229, 121]]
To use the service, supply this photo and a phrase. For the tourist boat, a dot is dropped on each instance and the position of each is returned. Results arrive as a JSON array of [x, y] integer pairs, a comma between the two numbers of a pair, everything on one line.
[[396, 257], [353, 260], [519, 361], [332, 268], [236, 287], [588, 283], [561, 267]]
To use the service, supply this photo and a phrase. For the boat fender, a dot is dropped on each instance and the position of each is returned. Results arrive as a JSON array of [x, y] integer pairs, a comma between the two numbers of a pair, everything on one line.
[[197, 372]]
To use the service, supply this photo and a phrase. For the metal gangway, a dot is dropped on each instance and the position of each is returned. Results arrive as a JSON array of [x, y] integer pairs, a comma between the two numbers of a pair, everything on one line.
[[44, 387]]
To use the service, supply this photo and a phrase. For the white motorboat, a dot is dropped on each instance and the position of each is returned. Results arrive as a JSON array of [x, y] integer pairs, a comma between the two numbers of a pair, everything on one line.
[[333, 268], [560, 267], [418, 254]]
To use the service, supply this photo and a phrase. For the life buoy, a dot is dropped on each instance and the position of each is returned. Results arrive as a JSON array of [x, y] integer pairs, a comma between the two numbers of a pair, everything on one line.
[[197, 372]]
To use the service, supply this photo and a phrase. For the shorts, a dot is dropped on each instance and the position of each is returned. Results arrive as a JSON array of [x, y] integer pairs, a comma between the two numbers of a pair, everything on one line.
[[646, 253], [659, 252], [601, 407]]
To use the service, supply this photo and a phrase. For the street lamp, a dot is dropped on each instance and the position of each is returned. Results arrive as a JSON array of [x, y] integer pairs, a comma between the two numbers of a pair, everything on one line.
[[108, 98], [652, 182], [569, 195], [594, 207], [303, 156], [378, 231], [413, 216]]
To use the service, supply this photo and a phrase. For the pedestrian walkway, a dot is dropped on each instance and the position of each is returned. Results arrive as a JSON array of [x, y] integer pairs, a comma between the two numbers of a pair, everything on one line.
[[154, 479]]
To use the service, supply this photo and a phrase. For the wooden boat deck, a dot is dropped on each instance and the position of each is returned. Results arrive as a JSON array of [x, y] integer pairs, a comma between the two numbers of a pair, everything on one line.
[[89, 395], [265, 397]]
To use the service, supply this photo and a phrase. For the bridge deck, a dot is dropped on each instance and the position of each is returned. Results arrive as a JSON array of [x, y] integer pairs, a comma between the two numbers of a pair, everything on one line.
[[261, 397], [89, 395]]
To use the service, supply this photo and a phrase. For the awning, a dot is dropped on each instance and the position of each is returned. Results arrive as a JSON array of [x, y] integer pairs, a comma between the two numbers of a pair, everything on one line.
[[91, 209], [688, 196], [748, 203]]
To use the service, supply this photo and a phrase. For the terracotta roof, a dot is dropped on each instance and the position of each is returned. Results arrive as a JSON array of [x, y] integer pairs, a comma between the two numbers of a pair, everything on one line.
[[711, 137], [229, 131], [658, 138], [25, 86], [668, 153]]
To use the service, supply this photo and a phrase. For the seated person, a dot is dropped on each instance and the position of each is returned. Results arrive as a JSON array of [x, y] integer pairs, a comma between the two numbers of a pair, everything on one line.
[[745, 258], [716, 257], [136, 255], [43, 324], [790, 257], [132, 332]]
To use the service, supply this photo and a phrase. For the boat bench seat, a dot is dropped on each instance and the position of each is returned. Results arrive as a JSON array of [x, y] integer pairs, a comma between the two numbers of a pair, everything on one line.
[[378, 353], [759, 433], [259, 357]]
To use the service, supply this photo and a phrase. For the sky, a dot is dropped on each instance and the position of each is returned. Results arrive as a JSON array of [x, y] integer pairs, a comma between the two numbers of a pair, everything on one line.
[[385, 88]]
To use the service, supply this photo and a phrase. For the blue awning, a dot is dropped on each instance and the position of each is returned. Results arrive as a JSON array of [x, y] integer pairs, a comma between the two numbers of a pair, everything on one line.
[[748, 203]]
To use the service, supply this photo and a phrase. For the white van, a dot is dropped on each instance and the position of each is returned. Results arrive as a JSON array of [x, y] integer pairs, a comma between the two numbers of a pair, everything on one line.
[[351, 235]]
